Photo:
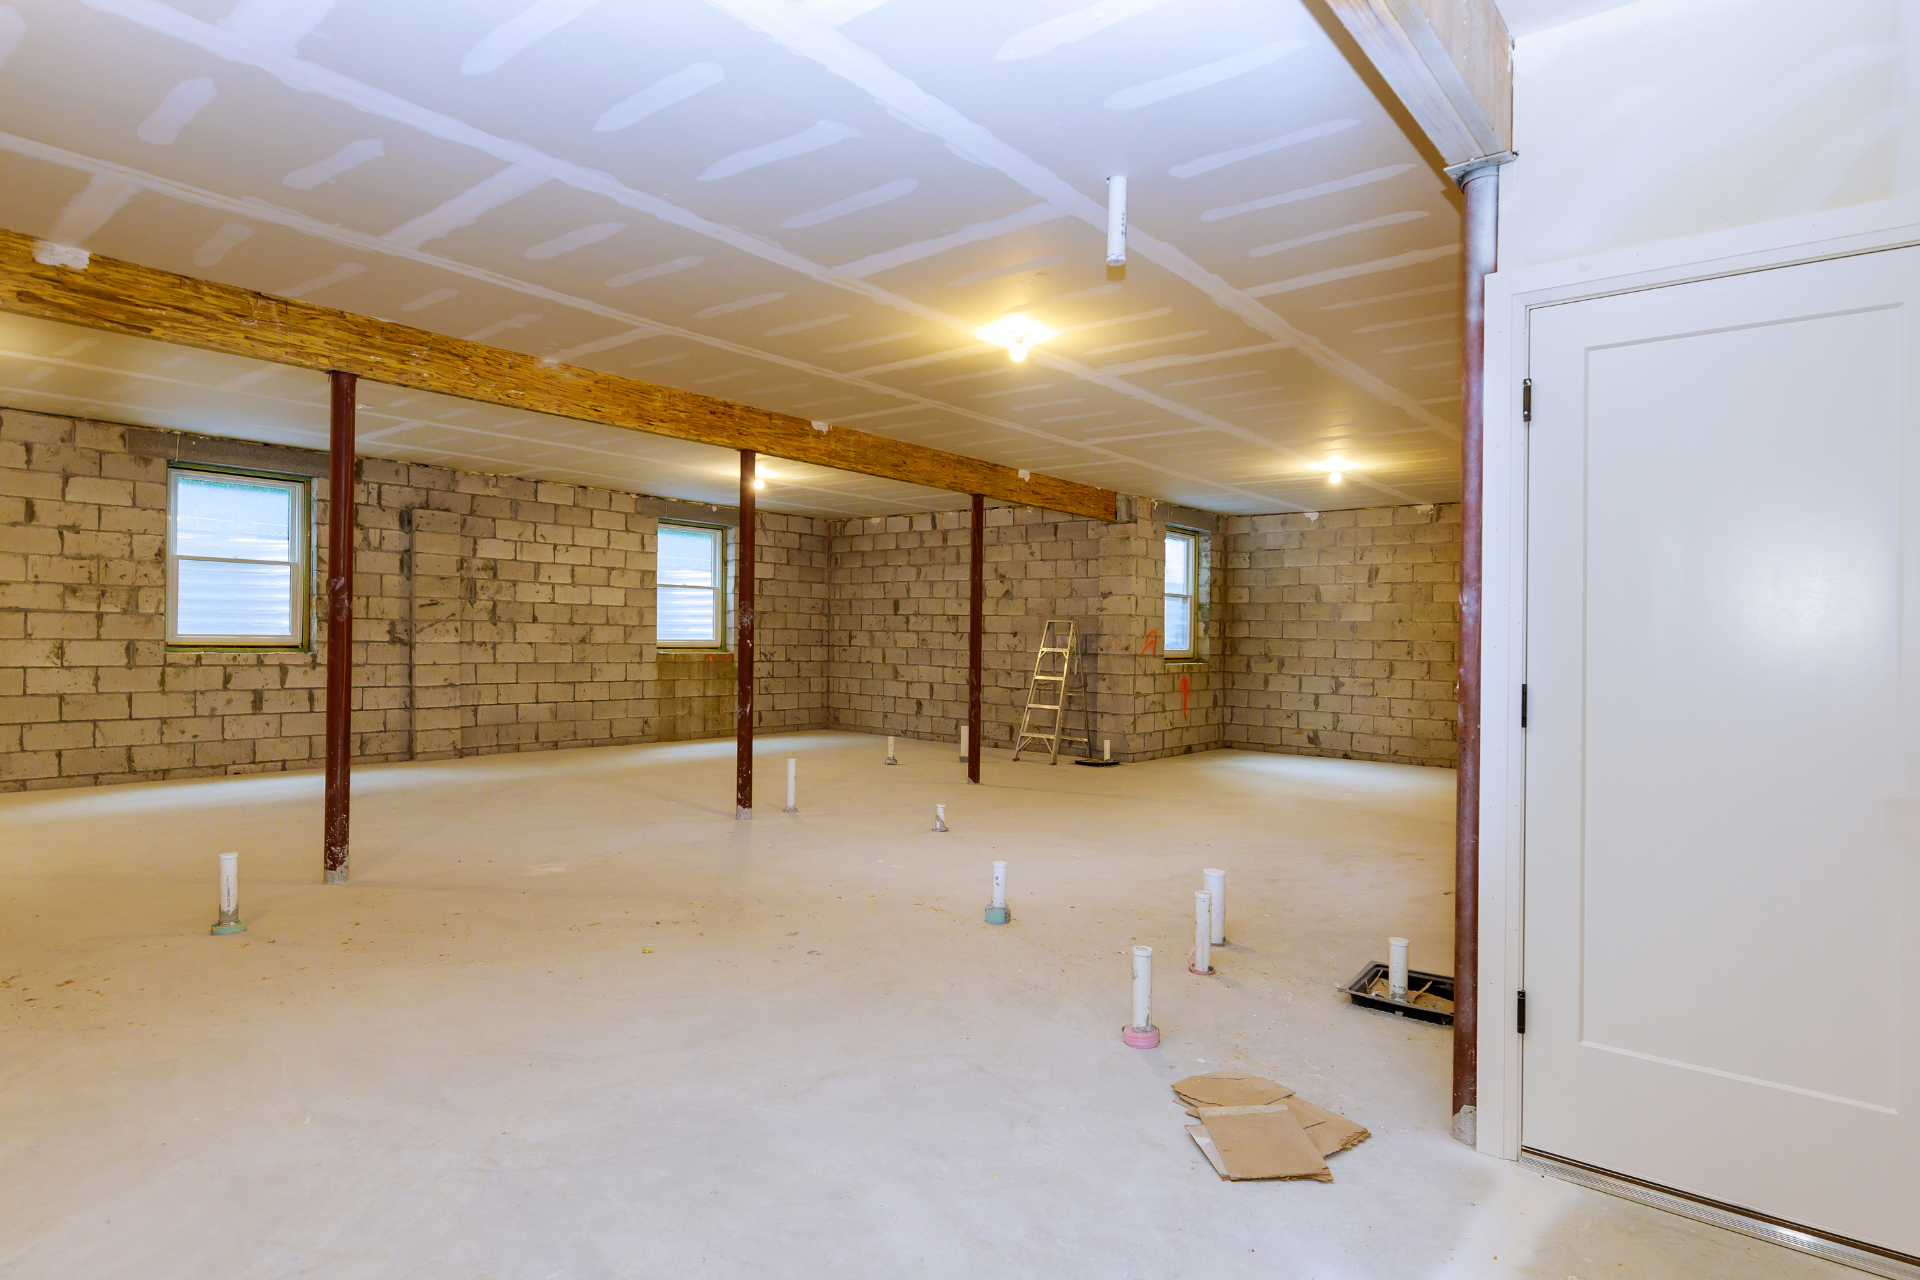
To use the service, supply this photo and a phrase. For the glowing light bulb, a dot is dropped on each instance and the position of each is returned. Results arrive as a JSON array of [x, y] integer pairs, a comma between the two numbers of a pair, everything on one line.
[[1017, 332], [1333, 477], [758, 483]]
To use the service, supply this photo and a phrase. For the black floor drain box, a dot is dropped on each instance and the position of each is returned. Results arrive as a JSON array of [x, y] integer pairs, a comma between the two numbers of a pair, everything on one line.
[[1436, 984]]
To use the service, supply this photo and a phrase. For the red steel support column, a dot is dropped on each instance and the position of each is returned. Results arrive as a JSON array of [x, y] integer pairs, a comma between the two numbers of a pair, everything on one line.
[[976, 595], [1482, 188], [743, 647], [341, 518]]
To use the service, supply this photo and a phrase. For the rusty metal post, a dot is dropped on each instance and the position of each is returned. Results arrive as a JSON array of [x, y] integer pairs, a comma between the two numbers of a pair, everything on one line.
[[743, 646], [976, 595], [1482, 188], [341, 517]]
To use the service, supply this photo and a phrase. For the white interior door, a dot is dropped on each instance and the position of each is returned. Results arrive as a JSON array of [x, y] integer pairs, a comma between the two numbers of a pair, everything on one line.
[[1722, 838]]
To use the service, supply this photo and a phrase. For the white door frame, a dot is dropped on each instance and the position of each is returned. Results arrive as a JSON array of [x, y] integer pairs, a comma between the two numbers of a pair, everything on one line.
[[1511, 296]]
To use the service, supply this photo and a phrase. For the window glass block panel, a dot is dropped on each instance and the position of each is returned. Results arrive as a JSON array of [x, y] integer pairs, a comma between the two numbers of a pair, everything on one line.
[[686, 616], [1179, 637], [229, 598], [687, 557], [1178, 567], [232, 519]]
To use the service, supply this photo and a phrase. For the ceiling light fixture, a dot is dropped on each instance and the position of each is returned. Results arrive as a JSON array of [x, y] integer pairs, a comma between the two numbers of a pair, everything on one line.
[[1334, 467], [1018, 333]]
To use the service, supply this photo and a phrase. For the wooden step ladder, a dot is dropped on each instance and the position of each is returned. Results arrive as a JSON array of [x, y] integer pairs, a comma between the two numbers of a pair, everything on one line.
[[1055, 663]]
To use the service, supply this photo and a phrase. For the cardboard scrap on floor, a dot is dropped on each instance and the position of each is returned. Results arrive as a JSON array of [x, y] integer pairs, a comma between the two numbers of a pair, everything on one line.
[[1420, 998], [1255, 1129]]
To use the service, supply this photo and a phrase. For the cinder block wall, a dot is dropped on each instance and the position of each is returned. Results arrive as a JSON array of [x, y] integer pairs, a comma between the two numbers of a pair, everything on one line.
[[495, 614], [491, 614], [899, 613], [1343, 633]]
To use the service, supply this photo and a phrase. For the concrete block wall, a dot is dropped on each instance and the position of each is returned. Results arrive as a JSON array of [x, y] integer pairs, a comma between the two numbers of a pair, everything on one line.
[[497, 614], [899, 638], [1343, 633], [491, 614], [794, 634]]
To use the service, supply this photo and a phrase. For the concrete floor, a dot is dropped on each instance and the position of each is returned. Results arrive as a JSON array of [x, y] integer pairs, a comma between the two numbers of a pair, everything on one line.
[[466, 1064]]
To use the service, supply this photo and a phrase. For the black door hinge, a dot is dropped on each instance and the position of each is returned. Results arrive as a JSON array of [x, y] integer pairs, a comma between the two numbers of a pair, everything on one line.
[[1520, 1014], [1526, 400], [1523, 706]]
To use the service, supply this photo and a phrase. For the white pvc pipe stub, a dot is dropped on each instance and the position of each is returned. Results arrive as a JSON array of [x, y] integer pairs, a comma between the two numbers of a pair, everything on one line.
[[1141, 1033], [1117, 221], [1216, 882], [1397, 970], [939, 817], [890, 759], [229, 921], [963, 744], [792, 765], [997, 909], [1200, 959]]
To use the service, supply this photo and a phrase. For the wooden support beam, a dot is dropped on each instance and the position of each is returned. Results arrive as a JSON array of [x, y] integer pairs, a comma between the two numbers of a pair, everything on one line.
[[125, 298], [1450, 63], [743, 644], [342, 515]]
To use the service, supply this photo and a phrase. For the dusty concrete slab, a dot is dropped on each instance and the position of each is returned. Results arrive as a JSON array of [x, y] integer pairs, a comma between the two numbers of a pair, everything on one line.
[[464, 1063]]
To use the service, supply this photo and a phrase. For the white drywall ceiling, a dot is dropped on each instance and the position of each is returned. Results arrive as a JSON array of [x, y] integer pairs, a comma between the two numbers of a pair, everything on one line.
[[805, 207], [1524, 17]]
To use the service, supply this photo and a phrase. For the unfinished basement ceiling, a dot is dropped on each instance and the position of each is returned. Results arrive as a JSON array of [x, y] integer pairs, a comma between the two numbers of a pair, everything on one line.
[[57, 368], [807, 208]]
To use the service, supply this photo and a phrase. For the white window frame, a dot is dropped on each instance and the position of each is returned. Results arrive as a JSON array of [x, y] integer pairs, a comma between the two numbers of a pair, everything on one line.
[[300, 580], [718, 534], [1192, 541]]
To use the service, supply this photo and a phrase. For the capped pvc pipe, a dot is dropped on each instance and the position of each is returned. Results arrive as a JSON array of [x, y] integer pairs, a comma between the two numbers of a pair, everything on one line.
[[1117, 221], [939, 817], [229, 921], [997, 909], [963, 744], [791, 766], [1216, 882], [1141, 1033], [1106, 748], [1202, 962], [1397, 970], [890, 759]]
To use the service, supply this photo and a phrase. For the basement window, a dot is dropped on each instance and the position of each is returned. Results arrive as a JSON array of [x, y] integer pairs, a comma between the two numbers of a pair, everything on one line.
[[1183, 556], [236, 559], [691, 571]]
